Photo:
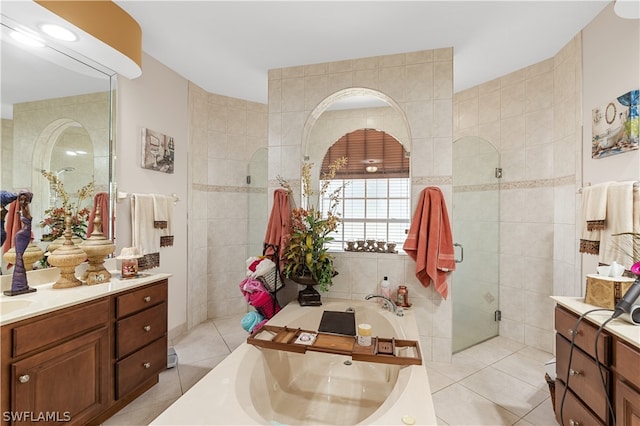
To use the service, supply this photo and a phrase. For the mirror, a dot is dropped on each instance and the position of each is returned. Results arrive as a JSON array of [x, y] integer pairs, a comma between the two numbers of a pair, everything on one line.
[[57, 116]]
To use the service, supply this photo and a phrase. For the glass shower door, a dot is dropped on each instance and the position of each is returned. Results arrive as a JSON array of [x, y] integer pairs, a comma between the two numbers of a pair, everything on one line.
[[476, 233]]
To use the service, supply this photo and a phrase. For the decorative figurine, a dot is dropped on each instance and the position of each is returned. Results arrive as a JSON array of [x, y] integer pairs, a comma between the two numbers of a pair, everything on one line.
[[22, 238]]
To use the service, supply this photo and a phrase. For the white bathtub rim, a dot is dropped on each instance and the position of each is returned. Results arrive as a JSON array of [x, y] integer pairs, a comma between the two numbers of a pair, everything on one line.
[[214, 399]]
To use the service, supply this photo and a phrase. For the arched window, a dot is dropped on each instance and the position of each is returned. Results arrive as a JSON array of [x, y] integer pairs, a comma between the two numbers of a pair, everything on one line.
[[375, 202]]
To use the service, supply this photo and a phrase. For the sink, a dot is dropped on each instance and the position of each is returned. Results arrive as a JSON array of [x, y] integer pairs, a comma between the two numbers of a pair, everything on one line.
[[8, 306]]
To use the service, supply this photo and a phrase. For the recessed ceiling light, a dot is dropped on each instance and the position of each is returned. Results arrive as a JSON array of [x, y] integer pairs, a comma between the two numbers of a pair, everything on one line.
[[26, 39], [58, 32]]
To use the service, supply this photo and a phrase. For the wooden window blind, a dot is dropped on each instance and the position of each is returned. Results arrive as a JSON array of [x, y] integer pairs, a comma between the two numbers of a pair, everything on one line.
[[368, 147]]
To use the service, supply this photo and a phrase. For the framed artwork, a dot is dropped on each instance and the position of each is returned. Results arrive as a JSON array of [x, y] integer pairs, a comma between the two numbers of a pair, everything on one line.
[[615, 126], [158, 151]]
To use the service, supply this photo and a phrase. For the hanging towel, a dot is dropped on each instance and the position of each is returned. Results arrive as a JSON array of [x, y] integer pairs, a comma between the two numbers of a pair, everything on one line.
[[12, 225], [100, 202], [144, 236], [618, 248], [430, 242], [278, 231], [593, 209], [163, 218]]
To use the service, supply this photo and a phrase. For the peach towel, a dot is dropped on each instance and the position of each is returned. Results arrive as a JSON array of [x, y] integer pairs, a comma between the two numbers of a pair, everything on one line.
[[12, 225], [430, 242], [278, 227], [100, 201]]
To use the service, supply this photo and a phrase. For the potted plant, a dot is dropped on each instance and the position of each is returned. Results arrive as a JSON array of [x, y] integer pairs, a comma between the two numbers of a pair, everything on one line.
[[306, 259]]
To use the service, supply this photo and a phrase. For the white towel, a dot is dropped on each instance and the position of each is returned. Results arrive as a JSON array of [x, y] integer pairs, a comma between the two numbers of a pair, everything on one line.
[[163, 212], [144, 236], [619, 219], [593, 216]]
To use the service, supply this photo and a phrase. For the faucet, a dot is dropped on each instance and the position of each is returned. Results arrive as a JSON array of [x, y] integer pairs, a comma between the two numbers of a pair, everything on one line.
[[387, 304]]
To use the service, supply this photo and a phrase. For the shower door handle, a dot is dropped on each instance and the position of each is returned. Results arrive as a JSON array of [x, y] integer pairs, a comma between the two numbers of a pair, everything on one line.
[[461, 253]]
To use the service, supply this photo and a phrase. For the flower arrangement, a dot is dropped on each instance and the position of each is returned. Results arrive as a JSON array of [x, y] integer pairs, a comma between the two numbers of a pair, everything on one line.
[[55, 216], [305, 254]]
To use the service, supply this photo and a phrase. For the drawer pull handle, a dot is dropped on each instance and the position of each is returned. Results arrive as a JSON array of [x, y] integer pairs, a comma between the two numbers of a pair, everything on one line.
[[147, 365], [574, 422], [572, 332], [575, 372], [24, 378], [147, 328], [147, 299]]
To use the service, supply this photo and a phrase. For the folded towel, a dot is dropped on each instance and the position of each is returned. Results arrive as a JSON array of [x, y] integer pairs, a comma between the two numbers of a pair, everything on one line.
[[144, 236], [593, 209], [618, 248], [163, 218]]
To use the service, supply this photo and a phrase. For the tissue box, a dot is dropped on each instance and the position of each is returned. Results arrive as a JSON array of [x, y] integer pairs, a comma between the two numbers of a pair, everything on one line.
[[606, 292]]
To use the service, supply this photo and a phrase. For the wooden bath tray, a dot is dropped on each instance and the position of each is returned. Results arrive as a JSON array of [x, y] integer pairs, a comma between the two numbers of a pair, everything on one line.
[[382, 350]]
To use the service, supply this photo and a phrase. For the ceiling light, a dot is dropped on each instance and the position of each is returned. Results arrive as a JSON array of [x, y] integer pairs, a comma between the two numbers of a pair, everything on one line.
[[26, 39], [58, 32], [72, 153], [629, 9], [371, 169]]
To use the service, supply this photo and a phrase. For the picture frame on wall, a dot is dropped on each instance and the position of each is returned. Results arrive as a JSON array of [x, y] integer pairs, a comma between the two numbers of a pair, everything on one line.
[[158, 151], [615, 126]]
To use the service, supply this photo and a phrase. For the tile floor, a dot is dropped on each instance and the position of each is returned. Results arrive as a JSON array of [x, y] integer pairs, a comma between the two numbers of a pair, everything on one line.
[[498, 382]]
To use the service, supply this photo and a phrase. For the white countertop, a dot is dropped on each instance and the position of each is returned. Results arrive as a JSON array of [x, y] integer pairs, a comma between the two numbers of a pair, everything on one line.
[[47, 299], [618, 327]]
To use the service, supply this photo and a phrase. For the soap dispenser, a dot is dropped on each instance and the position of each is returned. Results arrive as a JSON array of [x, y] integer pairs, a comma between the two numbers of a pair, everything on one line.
[[385, 288]]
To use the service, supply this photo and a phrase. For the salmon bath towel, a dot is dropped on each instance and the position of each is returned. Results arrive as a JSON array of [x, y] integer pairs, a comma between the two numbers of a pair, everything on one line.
[[430, 242], [278, 228]]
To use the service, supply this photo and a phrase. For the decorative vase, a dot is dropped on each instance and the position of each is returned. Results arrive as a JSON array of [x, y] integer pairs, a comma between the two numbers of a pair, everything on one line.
[[58, 242], [309, 296], [67, 257], [31, 255], [97, 247]]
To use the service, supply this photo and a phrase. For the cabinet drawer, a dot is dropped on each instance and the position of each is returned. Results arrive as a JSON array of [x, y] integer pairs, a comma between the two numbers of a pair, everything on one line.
[[565, 322], [140, 299], [574, 411], [628, 363], [140, 366], [585, 378], [58, 327], [140, 329]]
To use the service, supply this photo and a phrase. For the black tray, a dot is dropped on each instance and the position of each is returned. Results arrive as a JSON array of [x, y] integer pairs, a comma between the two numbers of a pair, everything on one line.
[[338, 323]]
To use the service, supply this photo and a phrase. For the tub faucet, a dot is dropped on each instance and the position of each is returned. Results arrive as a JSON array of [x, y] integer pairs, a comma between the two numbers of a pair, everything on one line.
[[387, 304]]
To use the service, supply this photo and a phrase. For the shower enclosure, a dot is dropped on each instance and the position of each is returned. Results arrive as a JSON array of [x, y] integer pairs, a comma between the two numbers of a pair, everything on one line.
[[476, 233]]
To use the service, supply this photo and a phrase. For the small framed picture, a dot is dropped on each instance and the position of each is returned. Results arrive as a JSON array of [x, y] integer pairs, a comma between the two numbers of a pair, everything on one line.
[[615, 126], [158, 151]]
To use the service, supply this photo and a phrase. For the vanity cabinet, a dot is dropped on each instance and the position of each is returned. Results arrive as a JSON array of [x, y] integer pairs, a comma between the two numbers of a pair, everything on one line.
[[627, 385], [610, 375], [583, 381], [81, 364], [140, 336]]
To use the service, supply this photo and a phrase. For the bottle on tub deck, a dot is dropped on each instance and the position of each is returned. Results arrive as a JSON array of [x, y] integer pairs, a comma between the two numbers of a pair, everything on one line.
[[385, 289]]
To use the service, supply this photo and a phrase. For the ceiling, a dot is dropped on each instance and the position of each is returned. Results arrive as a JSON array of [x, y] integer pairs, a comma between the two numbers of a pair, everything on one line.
[[227, 47]]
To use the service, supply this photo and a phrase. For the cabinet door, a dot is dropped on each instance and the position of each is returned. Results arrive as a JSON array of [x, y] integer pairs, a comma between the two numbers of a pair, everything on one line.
[[68, 383], [627, 405]]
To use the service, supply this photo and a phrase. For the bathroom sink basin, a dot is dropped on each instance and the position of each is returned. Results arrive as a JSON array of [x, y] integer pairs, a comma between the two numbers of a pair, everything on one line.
[[9, 306]]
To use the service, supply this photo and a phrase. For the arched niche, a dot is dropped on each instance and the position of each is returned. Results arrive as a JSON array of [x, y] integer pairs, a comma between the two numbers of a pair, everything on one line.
[[359, 108], [50, 147]]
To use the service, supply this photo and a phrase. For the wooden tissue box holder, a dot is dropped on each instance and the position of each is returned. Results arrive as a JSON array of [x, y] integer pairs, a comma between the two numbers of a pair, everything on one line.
[[606, 292]]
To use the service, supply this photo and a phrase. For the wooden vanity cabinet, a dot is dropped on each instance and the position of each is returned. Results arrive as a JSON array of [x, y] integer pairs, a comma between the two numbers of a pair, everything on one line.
[[585, 386], [627, 388], [586, 398], [81, 364]]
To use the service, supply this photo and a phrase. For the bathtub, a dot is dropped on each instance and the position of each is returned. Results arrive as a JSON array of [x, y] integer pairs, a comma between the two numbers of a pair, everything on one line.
[[271, 387]]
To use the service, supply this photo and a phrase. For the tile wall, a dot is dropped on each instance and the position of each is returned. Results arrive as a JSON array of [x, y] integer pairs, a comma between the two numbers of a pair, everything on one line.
[[420, 87], [532, 117], [224, 135]]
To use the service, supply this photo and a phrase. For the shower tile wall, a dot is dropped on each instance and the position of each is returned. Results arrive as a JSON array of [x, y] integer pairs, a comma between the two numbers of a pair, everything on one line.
[[421, 83], [224, 134], [532, 117]]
